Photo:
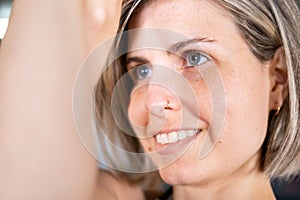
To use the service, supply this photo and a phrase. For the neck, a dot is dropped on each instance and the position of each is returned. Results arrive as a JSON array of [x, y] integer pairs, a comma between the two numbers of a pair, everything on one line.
[[250, 186]]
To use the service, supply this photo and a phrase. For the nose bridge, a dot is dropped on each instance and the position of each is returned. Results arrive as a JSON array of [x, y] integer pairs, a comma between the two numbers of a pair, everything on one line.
[[156, 95], [160, 57], [159, 91]]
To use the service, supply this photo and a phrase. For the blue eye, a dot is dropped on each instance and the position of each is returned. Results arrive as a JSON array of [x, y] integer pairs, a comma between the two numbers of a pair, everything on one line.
[[195, 58], [143, 71]]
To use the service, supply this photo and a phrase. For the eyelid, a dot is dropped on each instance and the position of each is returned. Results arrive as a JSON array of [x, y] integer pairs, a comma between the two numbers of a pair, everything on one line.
[[132, 66], [186, 53], [196, 46], [135, 61]]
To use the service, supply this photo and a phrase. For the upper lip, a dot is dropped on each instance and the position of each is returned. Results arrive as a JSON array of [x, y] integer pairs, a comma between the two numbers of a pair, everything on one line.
[[169, 130], [201, 125], [176, 130]]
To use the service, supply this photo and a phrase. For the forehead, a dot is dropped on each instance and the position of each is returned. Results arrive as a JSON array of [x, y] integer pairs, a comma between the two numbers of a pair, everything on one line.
[[188, 17]]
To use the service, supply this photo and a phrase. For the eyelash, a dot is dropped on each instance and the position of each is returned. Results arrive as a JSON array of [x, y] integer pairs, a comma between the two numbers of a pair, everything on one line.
[[140, 72], [187, 64], [188, 53]]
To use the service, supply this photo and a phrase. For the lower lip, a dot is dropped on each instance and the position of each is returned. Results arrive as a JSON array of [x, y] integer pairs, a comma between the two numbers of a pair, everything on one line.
[[176, 146]]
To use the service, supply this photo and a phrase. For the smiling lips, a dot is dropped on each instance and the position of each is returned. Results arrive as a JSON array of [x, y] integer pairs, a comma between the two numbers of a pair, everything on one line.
[[174, 136]]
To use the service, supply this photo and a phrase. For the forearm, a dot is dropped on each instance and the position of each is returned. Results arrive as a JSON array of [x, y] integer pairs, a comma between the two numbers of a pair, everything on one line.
[[41, 156]]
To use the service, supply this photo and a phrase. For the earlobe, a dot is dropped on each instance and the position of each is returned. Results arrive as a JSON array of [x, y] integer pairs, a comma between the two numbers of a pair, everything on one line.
[[279, 79]]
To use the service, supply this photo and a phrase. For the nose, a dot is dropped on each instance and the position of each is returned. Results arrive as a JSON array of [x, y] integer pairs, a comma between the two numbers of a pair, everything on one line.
[[153, 108], [155, 102], [160, 98]]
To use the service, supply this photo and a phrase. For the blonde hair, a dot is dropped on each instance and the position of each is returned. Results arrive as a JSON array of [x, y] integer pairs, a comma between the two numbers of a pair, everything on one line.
[[266, 25]]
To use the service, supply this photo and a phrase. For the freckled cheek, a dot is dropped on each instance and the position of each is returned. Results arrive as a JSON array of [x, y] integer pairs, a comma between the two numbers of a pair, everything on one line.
[[138, 118], [250, 98], [246, 118], [136, 110], [204, 100]]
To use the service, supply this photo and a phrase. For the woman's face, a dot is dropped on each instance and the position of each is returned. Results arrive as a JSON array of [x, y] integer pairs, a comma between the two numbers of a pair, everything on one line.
[[245, 92]]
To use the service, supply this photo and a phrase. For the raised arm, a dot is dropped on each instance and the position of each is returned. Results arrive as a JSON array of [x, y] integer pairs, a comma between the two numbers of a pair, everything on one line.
[[41, 156]]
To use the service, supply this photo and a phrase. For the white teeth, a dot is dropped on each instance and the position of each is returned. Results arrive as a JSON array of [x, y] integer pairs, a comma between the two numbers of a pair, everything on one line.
[[158, 138], [164, 138], [182, 135], [174, 136], [191, 133]]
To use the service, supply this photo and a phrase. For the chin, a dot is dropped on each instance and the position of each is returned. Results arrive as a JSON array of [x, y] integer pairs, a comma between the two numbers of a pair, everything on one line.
[[175, 174]]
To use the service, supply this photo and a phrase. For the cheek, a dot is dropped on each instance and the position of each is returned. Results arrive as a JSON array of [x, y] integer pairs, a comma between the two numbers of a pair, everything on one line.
[[204, 98], [136, 113], [138, 119], [246, 113]]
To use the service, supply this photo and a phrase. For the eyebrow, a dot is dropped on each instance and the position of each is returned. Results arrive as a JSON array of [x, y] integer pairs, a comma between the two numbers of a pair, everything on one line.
[[173, 48], [179, 45], [136, 59]]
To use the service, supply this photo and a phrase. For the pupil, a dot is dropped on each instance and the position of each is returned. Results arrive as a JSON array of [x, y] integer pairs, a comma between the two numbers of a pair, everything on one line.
[[143, 71], [194, 58]]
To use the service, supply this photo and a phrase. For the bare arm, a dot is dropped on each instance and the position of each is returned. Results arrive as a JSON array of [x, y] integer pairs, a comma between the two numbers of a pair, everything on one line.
[[41, 156]]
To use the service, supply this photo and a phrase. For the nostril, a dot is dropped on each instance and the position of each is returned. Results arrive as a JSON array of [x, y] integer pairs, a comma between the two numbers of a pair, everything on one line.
[[168, 106], [160, 105]]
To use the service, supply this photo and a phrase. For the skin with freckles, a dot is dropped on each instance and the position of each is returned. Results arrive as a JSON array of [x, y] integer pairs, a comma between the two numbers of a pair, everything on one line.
[[232, 167]]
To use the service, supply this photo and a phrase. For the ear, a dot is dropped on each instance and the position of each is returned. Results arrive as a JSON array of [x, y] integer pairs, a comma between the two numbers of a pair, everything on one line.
[[279, 79]]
